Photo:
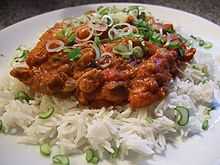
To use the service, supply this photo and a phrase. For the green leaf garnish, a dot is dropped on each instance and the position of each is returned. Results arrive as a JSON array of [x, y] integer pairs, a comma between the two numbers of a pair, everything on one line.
[[182, 115], [208, 45], [103, 10], [173, 45], [138, 52], [92, 156], [68, 34], [60, 160], [205, 125], [45, 149], [22, 54], [47, 114], [22, 96], [1, 125], [97, 41], [74, 54], [181, 52]]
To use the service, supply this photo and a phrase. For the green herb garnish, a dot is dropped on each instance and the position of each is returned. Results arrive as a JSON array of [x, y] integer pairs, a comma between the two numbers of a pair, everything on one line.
[[22, 54], [182, 115], [97, 41], [205, 125], [123, 50], [116, 152], [60, 160], [202, 43], [74, 54], [92, 156], [22, 96], [68, 34], [138, 52], [181, 52], [208, 45], [103, 10], [45, 149], [47, 114], [174, 45], [1, 125]]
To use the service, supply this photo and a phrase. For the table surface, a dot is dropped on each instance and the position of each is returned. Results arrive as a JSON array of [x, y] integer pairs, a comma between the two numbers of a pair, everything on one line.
[[12, 11]]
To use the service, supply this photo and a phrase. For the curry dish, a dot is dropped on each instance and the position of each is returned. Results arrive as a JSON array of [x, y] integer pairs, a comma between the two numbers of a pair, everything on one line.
[[105, 63]]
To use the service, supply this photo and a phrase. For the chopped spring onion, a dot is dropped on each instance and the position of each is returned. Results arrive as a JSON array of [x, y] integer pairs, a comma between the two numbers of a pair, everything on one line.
[[21, 54], [97, 41], [60, 160], [138, 52], [133, 10], [67, 33], [103, 10], [173, 45], [182, 116], [123, 50], [170, 30], [108, 20], [202, 43], [120, 30], [181, 52], [45, 149], [1, 125], [156, 38], [89, 155], [92, 156], [115, 154], [47, 114], [95, 160], [208, 45], [74, 54], [22, 96], [205, 125], [142, 15]]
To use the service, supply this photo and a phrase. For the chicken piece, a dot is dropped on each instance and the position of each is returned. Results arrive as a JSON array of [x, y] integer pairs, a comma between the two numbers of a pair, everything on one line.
[[152, 78]]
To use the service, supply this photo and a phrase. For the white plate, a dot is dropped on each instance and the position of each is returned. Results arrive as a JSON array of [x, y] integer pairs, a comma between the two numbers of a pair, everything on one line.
[[199, 150]]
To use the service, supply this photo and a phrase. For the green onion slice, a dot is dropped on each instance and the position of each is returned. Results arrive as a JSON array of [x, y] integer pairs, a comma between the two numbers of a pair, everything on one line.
[[97, 41], [74, 54], [60, 160], [115, 154], [89, 155], [1, 125], [46, 115], [138, 52], [182, 116], [205, 125], [95, 160], [45, 149], [92, 156], [174, 45], [21, 95], [208, 45], [124, 50]]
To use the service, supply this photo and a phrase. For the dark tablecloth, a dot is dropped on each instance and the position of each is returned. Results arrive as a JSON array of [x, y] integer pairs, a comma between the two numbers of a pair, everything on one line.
[[12, 11]]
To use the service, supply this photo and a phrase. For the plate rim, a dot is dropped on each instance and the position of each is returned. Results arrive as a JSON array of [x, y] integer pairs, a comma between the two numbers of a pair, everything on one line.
[[8, 28]]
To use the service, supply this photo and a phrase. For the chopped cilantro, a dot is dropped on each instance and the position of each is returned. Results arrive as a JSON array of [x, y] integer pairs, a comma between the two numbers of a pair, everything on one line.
[[174, 45], [74, 54], [22, 54], [68, 34], [97, 41]]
